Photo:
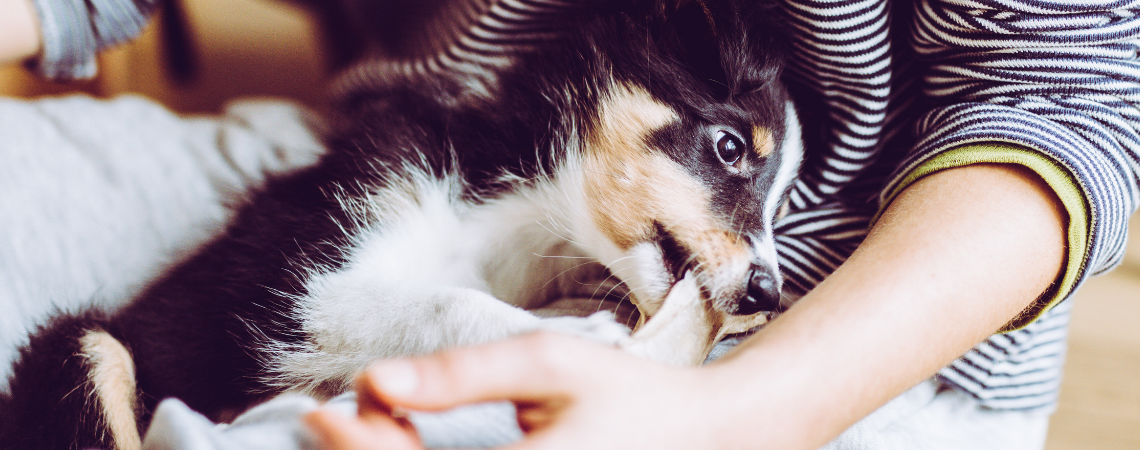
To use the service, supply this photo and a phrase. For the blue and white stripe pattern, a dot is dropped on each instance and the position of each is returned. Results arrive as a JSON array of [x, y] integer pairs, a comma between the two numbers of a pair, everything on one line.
[[842, 49], [1017, 370], [1063, 78], [474, 40], [842, 54], [1056, 76], [73, 31]]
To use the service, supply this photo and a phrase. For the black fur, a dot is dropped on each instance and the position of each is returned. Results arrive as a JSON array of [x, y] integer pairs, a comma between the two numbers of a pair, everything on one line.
[[50, 404], [196, 333]]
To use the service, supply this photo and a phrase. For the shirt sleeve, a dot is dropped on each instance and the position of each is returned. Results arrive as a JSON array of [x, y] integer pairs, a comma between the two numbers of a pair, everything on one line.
[[74, 31], [1048, 84], [1057, 178]]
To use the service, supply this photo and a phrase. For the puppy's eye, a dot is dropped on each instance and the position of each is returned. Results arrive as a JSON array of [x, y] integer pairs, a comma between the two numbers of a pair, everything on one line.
[[728, 147]]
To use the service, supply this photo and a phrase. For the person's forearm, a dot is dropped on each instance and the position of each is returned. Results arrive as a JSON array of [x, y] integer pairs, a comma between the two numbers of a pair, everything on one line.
[[19, 31], [955, 257]]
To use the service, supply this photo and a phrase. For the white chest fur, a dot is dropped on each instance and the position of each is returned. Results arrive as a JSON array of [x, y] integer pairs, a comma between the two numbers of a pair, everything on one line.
[[432, 271]]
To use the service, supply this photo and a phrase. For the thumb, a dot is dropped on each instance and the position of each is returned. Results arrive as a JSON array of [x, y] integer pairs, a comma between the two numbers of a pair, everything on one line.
[[536, 367]]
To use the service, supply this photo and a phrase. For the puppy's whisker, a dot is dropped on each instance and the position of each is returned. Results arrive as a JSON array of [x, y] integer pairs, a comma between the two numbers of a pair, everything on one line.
[[564, 272], [559, 236], [732, 217], [619, 284], [561, 256], [612, 274]]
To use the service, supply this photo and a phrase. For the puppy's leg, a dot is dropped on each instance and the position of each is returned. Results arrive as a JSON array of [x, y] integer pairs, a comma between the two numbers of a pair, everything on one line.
[[352, 323], [73, 387]]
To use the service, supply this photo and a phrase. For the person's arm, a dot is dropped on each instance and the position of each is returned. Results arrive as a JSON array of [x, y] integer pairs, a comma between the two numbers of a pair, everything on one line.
[[956, 256], [953, 258], [19, 31]]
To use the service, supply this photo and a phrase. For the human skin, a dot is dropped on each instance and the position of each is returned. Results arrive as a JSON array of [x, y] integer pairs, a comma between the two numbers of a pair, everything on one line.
[[19, 31], [956, 256]]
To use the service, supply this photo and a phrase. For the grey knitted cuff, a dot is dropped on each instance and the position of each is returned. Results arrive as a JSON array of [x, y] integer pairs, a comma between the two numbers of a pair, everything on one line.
[[73, 31]]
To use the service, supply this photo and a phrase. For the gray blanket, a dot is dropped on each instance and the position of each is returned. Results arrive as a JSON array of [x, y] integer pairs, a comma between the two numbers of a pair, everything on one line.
[[276, 424]]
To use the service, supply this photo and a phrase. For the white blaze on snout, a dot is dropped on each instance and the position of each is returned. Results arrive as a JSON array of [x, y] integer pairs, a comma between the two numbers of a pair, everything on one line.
[[791, 154]]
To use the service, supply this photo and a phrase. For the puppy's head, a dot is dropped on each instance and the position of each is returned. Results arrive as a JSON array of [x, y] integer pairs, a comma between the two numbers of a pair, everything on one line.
[[692, 150]]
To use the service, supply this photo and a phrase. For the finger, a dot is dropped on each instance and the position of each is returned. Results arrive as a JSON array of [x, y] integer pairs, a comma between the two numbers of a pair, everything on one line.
[[340, 432], [536, 367], [533, 417], [372, 409], [367, 403]]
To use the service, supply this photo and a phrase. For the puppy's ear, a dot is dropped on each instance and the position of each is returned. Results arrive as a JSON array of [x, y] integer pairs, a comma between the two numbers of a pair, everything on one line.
[[691, 25]]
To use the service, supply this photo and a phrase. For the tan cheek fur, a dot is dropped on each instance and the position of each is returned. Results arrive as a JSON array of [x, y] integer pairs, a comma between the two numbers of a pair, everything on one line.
[[112, 373], [620, 170]]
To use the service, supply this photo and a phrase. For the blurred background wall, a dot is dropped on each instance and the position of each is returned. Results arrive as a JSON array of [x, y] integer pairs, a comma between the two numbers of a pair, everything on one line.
[[243, 48], [267, 47]]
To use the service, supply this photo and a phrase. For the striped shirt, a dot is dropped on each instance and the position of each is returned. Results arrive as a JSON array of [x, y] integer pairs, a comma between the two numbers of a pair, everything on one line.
[[893, 87], [905, 83], [73, 31]]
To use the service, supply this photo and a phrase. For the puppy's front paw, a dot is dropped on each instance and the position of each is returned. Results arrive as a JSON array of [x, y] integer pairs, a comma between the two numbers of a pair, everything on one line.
[[599, 327]]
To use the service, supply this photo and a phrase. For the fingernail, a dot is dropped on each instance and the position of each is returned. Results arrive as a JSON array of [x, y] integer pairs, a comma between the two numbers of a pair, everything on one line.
[[395, 378]]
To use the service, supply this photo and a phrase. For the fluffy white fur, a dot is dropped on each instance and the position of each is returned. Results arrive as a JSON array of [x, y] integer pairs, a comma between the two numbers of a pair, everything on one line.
[[436, 271]]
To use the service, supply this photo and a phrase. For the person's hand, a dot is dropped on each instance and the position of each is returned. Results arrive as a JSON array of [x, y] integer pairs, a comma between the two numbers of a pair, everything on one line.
[[570, 394], [373, 428], [19, 31]]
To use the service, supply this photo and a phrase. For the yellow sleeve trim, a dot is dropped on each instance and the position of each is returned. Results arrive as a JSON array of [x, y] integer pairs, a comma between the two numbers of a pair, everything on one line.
[[1059, 179]]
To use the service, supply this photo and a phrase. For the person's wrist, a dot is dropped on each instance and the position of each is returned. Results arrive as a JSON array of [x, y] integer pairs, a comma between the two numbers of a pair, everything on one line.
[[19, 31], [780, 414]]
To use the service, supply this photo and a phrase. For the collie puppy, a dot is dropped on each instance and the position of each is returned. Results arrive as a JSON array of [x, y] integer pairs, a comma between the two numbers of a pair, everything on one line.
[[633, 149]]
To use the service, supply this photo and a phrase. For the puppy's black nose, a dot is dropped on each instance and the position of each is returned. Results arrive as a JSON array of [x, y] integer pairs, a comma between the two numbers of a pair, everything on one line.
[[763, 293]]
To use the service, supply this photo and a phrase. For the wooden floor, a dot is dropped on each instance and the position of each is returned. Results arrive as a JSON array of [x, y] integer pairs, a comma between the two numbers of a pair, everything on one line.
[[1100, 393]]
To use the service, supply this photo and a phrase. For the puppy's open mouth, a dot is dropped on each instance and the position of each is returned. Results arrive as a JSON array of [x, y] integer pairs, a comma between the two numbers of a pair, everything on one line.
[[678, 260]]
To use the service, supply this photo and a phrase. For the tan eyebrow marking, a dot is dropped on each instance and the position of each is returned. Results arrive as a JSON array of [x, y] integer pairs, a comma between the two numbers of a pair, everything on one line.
[[762, 142]]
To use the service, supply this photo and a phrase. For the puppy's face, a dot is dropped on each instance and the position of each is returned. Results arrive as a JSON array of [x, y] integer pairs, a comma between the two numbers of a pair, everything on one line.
[[684, 177], [681, 196]]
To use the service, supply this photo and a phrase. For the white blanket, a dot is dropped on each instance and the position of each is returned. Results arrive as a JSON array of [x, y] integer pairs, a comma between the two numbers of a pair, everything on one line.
[[276, 424]]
